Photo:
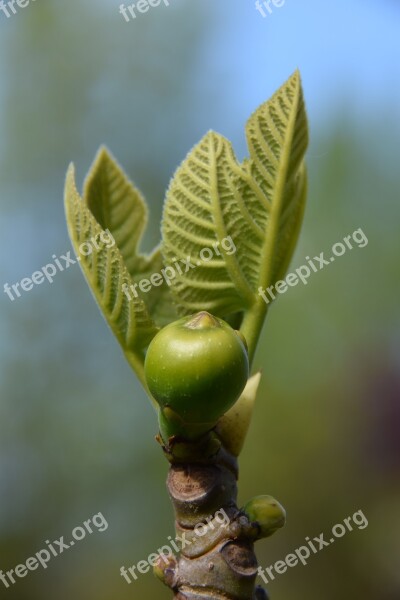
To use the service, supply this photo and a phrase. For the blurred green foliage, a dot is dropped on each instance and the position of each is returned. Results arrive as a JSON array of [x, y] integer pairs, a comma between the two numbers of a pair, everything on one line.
[[76, 432]]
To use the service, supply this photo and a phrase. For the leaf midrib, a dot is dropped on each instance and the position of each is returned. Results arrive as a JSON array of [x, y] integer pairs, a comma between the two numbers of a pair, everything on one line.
[[272, 229]]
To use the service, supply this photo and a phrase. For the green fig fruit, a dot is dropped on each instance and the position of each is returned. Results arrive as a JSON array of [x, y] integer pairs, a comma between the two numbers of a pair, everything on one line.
[[197, 367]]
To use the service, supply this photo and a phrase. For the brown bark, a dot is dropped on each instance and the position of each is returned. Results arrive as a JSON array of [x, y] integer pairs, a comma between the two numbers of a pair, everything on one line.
[[217, 559]]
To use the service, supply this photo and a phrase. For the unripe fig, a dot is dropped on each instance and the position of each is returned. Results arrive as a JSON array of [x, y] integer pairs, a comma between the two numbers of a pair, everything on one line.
[[267, 513], [197, 367]]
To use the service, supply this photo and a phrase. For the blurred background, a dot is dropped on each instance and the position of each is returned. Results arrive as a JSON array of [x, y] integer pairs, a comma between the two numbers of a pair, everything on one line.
[[76, 431]]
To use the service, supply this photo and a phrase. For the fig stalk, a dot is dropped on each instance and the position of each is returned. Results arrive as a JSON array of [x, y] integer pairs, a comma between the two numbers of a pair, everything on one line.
[[217, 559], [197, 369]]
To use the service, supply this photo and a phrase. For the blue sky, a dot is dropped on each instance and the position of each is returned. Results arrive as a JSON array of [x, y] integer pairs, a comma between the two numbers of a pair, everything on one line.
[[348, 52]]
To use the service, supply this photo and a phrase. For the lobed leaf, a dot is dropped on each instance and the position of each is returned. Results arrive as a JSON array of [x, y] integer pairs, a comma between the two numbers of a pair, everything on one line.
[[105, 270], [118, 206], [277, 137], [195, 217], [258, 204]]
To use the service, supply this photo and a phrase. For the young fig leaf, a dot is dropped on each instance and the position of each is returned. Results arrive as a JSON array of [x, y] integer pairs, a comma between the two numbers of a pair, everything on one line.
[[247, 216], [106, 274], [117, 205]]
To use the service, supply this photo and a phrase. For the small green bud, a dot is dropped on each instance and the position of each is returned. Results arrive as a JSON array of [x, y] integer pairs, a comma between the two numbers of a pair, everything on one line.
[[197, 368], [267, 513]]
